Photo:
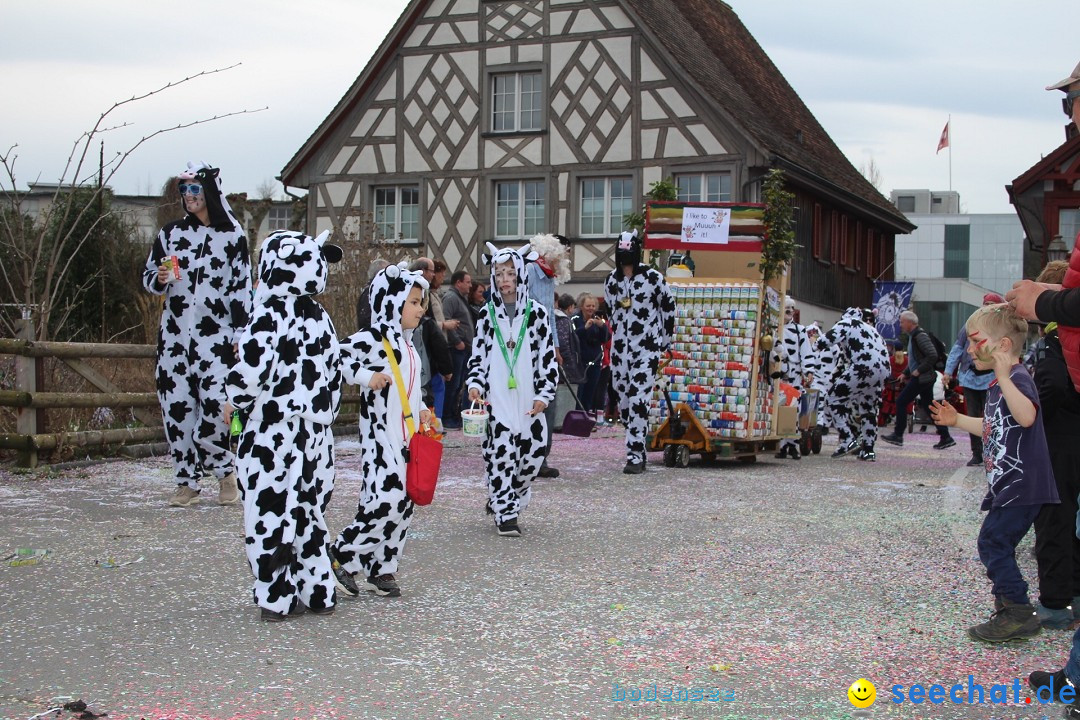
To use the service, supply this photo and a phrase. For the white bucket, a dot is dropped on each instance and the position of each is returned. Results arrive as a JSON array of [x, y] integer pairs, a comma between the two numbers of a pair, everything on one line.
[[474, 421]]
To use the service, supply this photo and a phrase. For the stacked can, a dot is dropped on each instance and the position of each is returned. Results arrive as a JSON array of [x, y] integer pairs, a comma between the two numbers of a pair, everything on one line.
[[716, 328]]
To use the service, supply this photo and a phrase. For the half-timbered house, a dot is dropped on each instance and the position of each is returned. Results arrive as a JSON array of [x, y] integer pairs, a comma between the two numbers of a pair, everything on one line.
[[492, 120]]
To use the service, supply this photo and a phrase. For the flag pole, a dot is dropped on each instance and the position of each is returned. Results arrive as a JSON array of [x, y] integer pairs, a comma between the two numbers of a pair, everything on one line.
[[949, 125]]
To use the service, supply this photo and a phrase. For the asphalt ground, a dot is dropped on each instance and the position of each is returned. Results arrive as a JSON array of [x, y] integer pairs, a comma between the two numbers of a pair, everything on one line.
[[765, 590]]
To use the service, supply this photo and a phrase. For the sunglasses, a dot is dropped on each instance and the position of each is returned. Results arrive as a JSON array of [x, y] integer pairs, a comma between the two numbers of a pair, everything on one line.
[[186, 189], [1067, 101]]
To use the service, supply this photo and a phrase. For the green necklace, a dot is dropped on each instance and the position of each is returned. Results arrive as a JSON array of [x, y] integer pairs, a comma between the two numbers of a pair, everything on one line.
[[514, 346]]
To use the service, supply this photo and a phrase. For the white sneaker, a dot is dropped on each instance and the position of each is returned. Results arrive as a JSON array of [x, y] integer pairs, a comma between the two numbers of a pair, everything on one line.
[[184, 497], [228, 492]]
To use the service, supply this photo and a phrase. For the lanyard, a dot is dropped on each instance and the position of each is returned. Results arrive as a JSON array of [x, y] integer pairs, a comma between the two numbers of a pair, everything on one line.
[[406, 408], [516, 347]]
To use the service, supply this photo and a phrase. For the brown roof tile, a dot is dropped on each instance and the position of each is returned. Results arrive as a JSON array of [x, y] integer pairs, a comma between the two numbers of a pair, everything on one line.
[[723, 58]]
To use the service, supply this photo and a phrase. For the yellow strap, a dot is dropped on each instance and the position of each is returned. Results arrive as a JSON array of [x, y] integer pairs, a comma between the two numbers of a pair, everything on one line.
[[406, 408]]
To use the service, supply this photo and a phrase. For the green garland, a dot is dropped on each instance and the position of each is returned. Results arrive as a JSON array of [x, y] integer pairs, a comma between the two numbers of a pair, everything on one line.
[[779, 246]]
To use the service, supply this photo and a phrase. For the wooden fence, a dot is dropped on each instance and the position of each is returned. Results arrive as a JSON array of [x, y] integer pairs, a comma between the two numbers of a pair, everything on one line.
[[31, 404]]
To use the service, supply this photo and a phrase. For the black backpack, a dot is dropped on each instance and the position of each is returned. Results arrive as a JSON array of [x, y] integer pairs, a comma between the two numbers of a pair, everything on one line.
[[942, 352]]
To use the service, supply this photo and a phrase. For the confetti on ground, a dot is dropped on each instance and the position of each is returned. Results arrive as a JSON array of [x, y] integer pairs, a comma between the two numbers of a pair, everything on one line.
[[776, 584]]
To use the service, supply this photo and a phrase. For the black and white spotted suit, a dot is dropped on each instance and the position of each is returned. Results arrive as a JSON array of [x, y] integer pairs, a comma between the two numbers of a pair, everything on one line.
[[204, 313], [372, 544], [640, 333], [863, 361], [288, 379], [799, 359], [515, 443]]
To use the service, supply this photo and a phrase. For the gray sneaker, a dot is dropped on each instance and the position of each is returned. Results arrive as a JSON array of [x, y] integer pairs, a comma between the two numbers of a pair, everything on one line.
[[184, 497], [1054, 619], [385, 585]]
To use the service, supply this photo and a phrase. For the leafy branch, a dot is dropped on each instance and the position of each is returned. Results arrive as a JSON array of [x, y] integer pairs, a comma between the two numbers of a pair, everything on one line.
[[779, 246]]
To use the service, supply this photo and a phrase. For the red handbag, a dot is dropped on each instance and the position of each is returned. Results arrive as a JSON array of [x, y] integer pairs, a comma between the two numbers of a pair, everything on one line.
[[424, 455], [422, 470]]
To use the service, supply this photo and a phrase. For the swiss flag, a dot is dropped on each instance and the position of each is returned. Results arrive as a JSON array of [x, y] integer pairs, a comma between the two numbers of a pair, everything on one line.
[[944, 141]]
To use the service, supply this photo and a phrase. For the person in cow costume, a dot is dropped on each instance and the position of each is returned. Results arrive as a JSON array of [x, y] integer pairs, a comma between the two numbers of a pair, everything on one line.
[[643, 320], [513, 368], [798, 367], [855, 396], [201, 265], [288, 381], [371, 546]]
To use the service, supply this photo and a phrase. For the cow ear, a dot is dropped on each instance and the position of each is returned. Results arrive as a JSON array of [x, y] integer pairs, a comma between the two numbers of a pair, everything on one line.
[[490, 253]]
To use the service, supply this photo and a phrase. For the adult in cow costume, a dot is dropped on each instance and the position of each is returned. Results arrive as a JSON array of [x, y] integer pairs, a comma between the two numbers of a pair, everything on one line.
[[201, 265], [643, 320], [855, 396]]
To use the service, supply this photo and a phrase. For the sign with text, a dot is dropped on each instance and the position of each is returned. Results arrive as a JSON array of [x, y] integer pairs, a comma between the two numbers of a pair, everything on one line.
[[706, 225]]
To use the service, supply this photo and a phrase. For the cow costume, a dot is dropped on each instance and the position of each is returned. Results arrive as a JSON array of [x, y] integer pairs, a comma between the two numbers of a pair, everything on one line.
[[371, 546], [798, 363], [642, 320], [513, 366], [288, 380], [205, 311], [855, 396]]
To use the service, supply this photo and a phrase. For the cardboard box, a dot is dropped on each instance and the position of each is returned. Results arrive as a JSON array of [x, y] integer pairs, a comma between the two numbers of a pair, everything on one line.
[[787, 419]]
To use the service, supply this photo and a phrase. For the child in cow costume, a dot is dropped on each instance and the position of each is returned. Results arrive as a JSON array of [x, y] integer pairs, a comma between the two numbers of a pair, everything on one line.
[[289, 382], [371, 546], [855, 396], [642, 319], [798, 367], [201, 265], [513, 367]]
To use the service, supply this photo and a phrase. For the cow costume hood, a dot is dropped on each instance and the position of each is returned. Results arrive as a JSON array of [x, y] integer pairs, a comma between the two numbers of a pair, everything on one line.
[[292, 263], [628, 250], [389, 290], [520, 257]]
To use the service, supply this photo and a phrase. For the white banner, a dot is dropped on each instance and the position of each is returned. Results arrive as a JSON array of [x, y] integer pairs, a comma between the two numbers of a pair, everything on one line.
[[710, 226]]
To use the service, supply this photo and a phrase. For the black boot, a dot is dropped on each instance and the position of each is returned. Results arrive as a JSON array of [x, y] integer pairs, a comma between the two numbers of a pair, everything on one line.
[[1011, 622]]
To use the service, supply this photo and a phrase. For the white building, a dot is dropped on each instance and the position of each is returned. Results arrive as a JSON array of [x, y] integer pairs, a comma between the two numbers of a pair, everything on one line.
[[954, 258]]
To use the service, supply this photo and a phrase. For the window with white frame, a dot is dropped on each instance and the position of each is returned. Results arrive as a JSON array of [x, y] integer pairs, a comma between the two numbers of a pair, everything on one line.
[[604, 203], [519, 208], [704, 187], [278, 218], [516, 101], [397, 212]]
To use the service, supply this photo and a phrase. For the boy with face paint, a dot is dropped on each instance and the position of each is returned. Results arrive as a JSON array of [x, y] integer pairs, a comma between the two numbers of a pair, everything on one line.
[[513, 367], [642, 320], [371, 547], [200, 265]]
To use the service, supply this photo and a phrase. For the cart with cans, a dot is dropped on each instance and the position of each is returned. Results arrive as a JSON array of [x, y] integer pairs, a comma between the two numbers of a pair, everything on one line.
[[716, 395]]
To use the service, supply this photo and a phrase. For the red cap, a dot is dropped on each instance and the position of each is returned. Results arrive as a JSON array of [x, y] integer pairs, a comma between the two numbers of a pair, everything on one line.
[[990, 298]]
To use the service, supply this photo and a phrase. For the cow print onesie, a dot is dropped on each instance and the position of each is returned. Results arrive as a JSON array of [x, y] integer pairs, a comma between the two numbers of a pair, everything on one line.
[[288, 379], [855, 397], [515, 443], [640, 333], [204, 313], [799, 359], [372, 544]]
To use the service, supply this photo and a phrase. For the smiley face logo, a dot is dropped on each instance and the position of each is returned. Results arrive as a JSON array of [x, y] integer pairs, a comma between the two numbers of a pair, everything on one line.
[[862, 693]]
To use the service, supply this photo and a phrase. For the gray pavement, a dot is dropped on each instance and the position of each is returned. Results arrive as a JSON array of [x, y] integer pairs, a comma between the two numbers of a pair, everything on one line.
[[766, 588]]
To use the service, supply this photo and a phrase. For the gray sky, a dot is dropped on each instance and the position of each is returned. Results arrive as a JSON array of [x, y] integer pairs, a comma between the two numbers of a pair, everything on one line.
[[882, 78]]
